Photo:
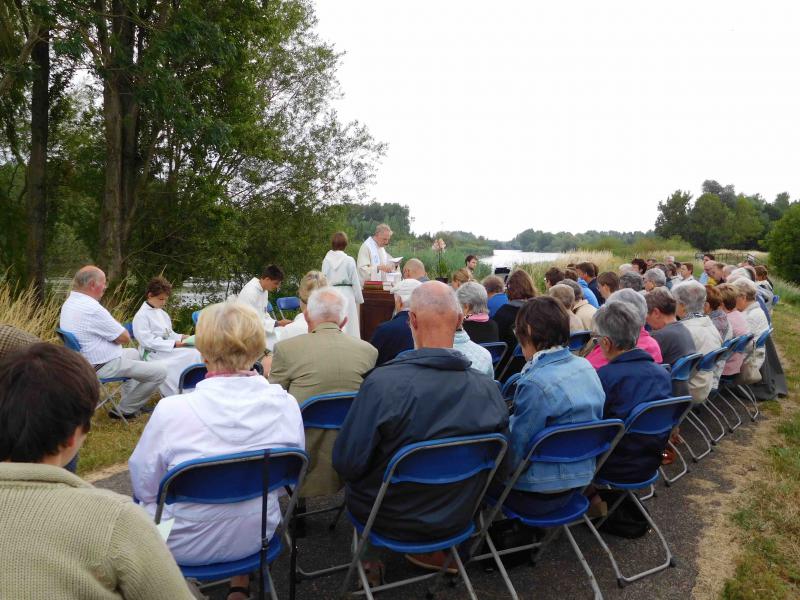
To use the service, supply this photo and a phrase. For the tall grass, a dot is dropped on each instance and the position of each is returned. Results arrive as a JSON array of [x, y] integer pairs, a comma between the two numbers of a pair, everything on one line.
[[789, 292]]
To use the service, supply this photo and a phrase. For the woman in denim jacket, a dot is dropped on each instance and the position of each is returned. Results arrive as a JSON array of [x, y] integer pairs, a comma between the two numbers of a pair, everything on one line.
[[556, 388]]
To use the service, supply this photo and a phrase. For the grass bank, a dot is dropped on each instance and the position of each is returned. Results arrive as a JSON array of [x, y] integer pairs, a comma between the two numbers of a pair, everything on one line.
[[768, 515]]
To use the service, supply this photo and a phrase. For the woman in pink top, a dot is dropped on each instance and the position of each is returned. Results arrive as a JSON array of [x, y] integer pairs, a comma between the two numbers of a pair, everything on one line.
[[646, 341], [738, 325]]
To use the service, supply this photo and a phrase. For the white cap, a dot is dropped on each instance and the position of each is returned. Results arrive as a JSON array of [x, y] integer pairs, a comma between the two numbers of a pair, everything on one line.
[[405, 288]]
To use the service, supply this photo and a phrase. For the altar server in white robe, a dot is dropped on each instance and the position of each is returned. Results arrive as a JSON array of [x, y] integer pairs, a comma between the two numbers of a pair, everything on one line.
[[373, 260], [255, 293], [340, 271], [157, 341]]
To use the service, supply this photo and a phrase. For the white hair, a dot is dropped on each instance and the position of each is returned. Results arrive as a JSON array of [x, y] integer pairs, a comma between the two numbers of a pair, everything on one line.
[[656, 276], [745, 287], [327, 304], [692, 294], [618, 321], [740, 273], [473, 295], [625, 267], [383, 227], [633, 299]]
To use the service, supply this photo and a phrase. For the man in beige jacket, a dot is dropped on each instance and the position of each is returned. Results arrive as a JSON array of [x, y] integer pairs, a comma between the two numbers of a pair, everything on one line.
[[324, 360]]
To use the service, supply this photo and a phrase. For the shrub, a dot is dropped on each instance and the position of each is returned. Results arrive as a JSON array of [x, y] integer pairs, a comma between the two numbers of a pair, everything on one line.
[[784, 245]]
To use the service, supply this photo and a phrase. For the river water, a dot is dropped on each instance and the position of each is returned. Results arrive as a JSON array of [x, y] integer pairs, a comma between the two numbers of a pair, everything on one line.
[[509, 258]]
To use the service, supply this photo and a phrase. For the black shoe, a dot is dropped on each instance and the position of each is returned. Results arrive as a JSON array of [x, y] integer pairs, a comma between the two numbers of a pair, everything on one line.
[[146, 410], [127, 416]]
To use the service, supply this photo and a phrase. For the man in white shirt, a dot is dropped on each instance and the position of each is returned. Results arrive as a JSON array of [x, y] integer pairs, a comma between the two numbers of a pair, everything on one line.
[[372, 256], [101, 339], [255, 293]]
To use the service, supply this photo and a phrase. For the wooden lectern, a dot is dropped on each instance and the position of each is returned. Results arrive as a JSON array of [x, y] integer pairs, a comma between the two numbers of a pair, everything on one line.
[[378, 307]]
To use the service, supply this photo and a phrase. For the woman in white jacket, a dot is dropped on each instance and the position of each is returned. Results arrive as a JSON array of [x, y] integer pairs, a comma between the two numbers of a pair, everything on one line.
[[153, 331], [233, 410], [341, 272]]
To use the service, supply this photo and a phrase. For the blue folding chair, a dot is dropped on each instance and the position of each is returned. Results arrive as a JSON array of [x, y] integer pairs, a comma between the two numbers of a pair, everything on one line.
[[431, 463], [270, 310], [233, 478], [288, 303], [196, 316], [325, 411], [559, 444], [682, 371], [709, 363], [655, 418], [716, 393], [516, 355], [191, 376], [728, 386], [578, 340], [113, 397], [775, 299], [129, 328], [510, 387], [496, 349], [745, 388]]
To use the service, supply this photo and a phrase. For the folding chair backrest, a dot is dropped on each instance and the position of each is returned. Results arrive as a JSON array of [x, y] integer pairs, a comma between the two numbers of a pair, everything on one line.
[[196, 316], [270, 310], [575, 442], [762, 339], [327, 411], [775, 299], [685, 367], [658, 417], [743, 343], [289, 303], [496, 349], [191, 376], [129, 328], [69, 339], [710, 360], [578, 340], [230, 478], [446, 460], [510, 386]]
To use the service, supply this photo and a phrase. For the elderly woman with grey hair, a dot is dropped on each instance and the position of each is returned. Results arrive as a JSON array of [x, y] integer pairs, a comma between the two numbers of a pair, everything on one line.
[[473, 299], [631, 280], [690, 297], [581, 308], [637, 302], [630, 378], [747, 304], [565, 294], [654, 278]]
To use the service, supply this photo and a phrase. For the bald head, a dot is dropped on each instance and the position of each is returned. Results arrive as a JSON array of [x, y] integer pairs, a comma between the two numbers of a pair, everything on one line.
[[90, 280], [413, 269], [434, 316]]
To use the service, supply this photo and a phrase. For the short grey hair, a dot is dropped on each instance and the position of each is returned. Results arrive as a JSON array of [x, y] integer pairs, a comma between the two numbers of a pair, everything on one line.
[[85, 277], [327, 304], [692, 294], [625, 267], [619, 322], [745, 287], [564, 294], [474, 296], [381, 228], [632, 280], [656, 276], [740, 273], [575, 288], [633, 299], [662, 299]]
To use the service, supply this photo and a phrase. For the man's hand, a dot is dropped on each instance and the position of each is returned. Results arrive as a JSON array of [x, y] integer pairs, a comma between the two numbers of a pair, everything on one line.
[[284, 322], [386, 268]]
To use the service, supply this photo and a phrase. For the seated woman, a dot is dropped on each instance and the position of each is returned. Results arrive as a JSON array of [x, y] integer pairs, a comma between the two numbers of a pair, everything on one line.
[[756, 318], [646, 342], [153, 331], [460, 277], [62, 538], [519, 289], [473, 300], [555, 388], [738, 325], [232, 410], [311, 281], [630, 378], [495, 290], [713, 308], [566, 295]]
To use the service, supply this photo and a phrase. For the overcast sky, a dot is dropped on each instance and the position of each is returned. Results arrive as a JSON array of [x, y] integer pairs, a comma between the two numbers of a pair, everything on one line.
[[568, 115]]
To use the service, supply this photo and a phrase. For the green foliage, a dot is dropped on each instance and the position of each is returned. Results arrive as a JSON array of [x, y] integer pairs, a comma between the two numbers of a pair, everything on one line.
[[789, 292], [784, 244], [361, 220], [673, 215]]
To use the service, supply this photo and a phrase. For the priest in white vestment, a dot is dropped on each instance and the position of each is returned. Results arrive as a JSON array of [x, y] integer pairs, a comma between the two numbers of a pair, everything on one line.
[[373, 260], [341, 272], [157, 341]]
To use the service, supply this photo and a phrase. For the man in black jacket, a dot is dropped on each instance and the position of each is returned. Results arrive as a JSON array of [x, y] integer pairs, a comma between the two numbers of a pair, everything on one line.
[[428, 393]]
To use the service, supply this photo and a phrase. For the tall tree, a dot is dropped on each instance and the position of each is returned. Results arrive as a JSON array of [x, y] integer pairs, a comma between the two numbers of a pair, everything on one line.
[[710, 223], [673, 215]]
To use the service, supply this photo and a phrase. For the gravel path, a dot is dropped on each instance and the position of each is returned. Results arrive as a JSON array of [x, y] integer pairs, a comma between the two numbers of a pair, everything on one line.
[[682, 519]]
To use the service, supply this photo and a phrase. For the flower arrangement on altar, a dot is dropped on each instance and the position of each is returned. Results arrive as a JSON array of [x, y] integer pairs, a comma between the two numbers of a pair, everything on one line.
[[441, 265]]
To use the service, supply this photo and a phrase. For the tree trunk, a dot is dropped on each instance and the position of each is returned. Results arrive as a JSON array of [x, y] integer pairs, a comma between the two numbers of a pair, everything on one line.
[[36, 207]]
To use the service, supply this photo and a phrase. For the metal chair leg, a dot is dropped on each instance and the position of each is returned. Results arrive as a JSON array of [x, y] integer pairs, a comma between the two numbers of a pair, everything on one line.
[[719, 396], [710, 410], [598, 595], [752, 397], [668, 481], [696, 457]]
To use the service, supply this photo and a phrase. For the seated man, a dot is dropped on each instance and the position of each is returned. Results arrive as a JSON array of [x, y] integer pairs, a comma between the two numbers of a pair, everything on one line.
[[691, 297], [673, 338], [255, 293], [415, 269], [495, 291], [425, 394], [588, 274], [101, 338], [565, 294], [630, 378], [394, 336], [322, 361], [62, 538], [572, 274], [581, 308]]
